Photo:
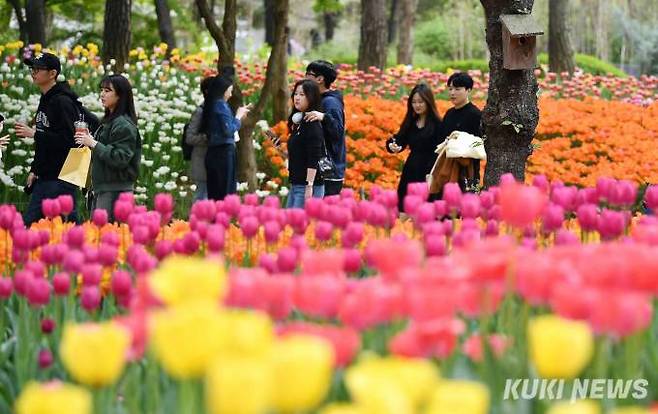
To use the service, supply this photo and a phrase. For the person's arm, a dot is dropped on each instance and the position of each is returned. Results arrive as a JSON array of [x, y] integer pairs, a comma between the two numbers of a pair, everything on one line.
[[227, 120], [193, 135], [61, 128], [121, 150], [333, 122]]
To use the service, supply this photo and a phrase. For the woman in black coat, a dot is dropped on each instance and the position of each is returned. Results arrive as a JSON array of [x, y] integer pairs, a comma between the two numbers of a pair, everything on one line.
[[421, 131]]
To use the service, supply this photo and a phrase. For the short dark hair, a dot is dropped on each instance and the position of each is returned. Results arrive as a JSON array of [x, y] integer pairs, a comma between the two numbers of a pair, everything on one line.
[[325, 69], [460, 80], [124, 90]]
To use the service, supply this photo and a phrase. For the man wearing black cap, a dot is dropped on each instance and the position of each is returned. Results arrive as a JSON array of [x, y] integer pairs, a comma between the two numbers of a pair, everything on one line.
[[53, 135]]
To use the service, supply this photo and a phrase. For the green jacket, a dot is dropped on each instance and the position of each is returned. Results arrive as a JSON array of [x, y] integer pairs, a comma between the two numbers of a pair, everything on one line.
[[115, 159]]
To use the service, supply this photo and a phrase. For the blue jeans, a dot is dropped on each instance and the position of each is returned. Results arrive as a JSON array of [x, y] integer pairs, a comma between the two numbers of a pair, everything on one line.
[[44, 189], [201, 192], [296, 195]]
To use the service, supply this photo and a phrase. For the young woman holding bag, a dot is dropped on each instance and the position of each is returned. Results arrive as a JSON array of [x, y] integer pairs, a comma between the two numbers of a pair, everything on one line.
[[116, 146]]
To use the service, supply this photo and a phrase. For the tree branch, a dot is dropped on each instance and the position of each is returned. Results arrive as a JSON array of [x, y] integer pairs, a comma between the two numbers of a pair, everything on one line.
[[215, 31], [18, 10], [280, 45]]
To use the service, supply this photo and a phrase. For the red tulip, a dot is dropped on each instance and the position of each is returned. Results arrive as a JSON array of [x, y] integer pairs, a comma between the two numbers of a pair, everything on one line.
[[45, 358], [47, 326]]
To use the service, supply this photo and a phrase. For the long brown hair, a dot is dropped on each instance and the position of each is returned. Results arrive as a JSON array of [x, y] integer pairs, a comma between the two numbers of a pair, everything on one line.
[[313, 96], [426, 94]]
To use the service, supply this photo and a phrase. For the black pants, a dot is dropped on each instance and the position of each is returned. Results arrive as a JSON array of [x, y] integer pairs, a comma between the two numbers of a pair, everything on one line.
[[43, 189], [221, 166], [332, 187]]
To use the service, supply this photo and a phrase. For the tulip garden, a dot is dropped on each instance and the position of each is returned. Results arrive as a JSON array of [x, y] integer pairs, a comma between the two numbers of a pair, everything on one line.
[[241, 306]]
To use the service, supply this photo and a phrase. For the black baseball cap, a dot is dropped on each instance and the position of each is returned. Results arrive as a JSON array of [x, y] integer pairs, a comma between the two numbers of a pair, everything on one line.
[[44, 61]]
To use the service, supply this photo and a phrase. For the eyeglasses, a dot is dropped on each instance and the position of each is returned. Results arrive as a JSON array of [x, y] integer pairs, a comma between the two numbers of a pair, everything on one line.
[[36, 70]]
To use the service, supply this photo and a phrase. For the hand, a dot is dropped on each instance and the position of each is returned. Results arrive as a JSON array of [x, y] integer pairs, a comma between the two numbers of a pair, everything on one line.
[[313, 116], [393, 146], [4, 141], [243, 111], [84, 138], [24, 131], [308, 192], [276, 141], [30, 179]]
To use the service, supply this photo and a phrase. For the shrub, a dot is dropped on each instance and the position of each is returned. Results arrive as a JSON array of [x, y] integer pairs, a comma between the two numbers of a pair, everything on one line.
[[590, 64]]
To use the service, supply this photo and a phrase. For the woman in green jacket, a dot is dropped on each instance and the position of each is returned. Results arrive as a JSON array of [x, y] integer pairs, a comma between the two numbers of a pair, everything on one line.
[[116, 146]]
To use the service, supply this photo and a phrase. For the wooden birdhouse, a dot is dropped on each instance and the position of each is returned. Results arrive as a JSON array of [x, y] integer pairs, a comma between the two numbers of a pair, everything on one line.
[[520, 33]]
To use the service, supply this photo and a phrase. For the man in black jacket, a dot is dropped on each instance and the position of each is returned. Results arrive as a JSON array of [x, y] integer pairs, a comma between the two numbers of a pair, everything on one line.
[[53, 136], [333, 120]]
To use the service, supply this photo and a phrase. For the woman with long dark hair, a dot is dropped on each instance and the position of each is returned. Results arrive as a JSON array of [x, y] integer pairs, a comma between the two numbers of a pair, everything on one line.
[[305, 145], [220, 126], [421, 132], [116, 145]]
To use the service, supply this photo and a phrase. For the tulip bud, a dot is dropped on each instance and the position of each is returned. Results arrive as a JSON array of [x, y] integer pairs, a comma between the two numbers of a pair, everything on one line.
[[272, 231], [553, 218], [38, 291], [452, 195], [45, 358], [47, 326], [587, 216], [122, 210], [249, 226], [50, 208], [651, 197], [75, 237], [7, 216], [121, 283]]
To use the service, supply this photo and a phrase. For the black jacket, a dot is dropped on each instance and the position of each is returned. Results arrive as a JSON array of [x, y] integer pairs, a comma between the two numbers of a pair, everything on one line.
[[58, 110], [333, 125], [304, 151]]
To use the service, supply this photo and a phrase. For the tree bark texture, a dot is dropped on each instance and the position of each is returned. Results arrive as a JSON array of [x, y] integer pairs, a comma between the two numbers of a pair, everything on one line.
[[35, 17], [20, 18], [405, 42], [280, 92], [116, 32], [269, 21], [511, 102], [165, 26], [330, 22], [393, 20], [560, 52], [372, 46]]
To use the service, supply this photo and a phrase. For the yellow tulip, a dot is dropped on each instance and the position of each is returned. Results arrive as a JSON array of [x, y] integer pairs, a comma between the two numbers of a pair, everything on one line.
[[343, 408], [391, 384], [53, 398], [559, 348], [181, 280], [185, 339], [94, 354], [456, 396], [252, 333], [576, 407], [303, 366], [239, 385]]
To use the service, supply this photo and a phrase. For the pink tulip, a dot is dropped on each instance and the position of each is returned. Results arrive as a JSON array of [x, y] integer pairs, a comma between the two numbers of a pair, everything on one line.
[[192, 242], [91, 274], [611, 224], [251, 199], [650, 197], [99, 217], [215, 238], [587, 216], [435, 245], [553, 218], [352, 260], [624, 193], [272, 202], [73, 261], [470, 206], [492, 229], [107, 254], [90, 298], [65, 204], [111, 238], [541, 182], [6, 287], [452, 195], [38, 291], [122, 210], [565, 197], [352, 235], [163, 248], [287, 259], [164, 204], [564, 237], [121, 283], [605, 187], [267, 261], [36, 267], [507, 179], [249, 226], [521, 205], [420, 189], [75, 237], [272, 231], [61, 283], [323, 230], [313, 207], [50, 208], [232, 205], [7, 216]]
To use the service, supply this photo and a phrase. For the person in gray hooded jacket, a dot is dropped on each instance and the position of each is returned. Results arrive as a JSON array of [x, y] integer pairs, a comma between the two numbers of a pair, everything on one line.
[[199, 142]]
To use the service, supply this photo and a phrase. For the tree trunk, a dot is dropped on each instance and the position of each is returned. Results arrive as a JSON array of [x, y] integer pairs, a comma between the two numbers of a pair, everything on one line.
[[35, 17], [372, 46], [330, 21], [116, 33], [560, 52], [165, 26], [602, 45], [20, 18], [269, 21], [280, 94], [405, 43], [393, 19], [511, 101]]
